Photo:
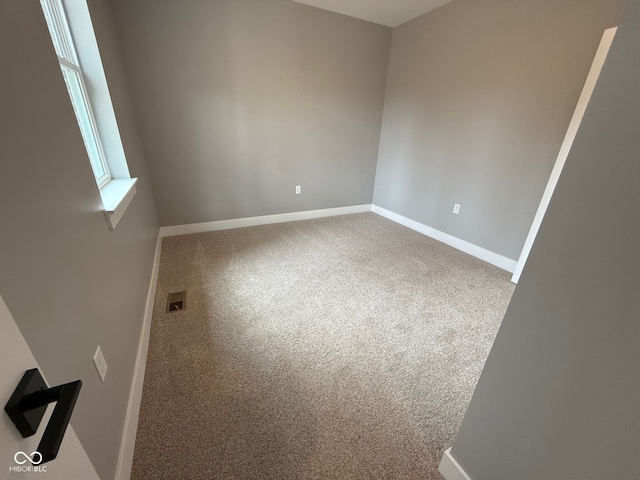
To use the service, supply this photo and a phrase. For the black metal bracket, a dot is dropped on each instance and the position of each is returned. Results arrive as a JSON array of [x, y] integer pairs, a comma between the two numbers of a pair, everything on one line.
[[27, 406]]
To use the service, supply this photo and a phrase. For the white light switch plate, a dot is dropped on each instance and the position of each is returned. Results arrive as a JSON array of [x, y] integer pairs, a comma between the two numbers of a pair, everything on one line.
[[100, 363]]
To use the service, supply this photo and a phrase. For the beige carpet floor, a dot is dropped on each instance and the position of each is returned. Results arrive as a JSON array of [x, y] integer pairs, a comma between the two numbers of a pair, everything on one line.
[[337, 348]]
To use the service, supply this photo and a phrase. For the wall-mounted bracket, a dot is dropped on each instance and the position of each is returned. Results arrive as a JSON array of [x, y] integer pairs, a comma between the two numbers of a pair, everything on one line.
[[27, 406]]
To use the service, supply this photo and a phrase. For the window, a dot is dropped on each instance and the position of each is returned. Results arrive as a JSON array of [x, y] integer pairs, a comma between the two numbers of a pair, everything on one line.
[[73, 77], [71, 30]]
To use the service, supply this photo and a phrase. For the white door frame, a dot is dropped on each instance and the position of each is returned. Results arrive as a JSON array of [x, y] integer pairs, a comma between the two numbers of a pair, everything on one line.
[[576, 119]]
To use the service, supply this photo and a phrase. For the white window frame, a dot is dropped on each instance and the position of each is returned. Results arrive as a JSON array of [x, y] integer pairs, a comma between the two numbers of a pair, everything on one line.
[[67, 57], [84, 76]]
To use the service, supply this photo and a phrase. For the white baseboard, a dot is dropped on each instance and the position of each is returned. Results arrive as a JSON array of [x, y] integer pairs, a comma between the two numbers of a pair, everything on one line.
[[479, 252], [125, 458], [450, 469], [262, 220]]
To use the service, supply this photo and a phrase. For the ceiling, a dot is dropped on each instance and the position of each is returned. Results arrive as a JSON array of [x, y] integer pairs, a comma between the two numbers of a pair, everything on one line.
[[385, 12]]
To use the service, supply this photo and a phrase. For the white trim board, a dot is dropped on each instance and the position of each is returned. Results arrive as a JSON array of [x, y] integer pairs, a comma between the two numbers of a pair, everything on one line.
[[125, 458], [455, 242], [565, 148], [262, 220], [479, 252], [450, 469]]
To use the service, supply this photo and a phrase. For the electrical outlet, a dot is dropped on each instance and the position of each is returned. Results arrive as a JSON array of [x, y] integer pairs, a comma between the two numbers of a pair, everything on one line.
[[456, 208], [100, 363], [297, 189]]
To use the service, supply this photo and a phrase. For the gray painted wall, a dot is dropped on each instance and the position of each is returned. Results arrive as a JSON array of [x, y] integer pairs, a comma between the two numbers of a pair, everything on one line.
[[559, 395], [240, 101], [69, 282], [479, 96]]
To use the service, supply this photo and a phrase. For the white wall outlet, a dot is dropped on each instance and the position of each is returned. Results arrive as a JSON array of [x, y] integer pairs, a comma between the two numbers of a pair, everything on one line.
[[297, 189], [456, 208], [100, 363]]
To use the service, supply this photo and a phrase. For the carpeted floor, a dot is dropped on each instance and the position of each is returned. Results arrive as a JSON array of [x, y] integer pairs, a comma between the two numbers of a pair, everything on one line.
[[338, 348]]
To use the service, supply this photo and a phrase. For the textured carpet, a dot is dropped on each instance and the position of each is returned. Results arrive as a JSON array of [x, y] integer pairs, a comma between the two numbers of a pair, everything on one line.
[[339, 348]]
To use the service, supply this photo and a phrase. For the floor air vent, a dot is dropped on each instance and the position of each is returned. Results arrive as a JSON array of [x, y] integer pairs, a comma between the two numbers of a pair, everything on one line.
[[176, 301]]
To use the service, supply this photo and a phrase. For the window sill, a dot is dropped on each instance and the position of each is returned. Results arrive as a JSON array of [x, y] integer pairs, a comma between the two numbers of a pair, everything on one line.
[[116, 197]]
